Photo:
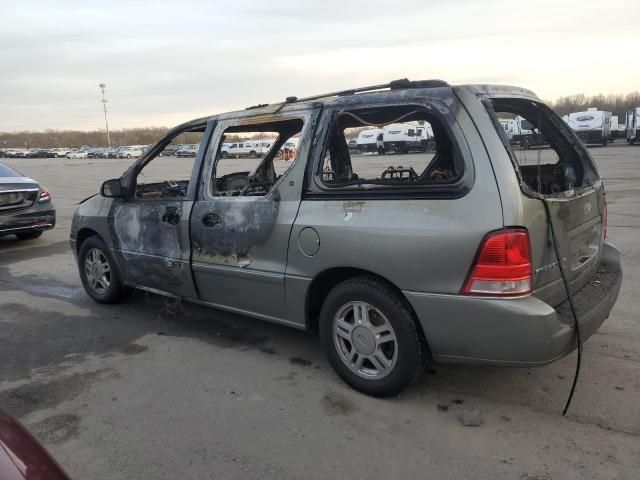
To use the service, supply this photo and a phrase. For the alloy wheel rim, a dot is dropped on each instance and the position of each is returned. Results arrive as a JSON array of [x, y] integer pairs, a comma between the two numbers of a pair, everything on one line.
[[97, 271], [365, 340]]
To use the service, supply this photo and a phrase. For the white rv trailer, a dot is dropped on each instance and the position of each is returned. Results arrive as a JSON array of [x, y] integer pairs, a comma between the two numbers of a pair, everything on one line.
[[592, 126], [406, 137], [367, 140], [613, 131], [633, 125]]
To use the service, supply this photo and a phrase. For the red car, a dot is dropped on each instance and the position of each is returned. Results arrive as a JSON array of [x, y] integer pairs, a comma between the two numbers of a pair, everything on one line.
[[21, 455]]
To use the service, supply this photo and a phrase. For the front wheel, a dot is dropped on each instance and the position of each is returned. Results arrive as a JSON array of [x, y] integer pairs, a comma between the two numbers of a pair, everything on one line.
[[371, 337], [99, 273]]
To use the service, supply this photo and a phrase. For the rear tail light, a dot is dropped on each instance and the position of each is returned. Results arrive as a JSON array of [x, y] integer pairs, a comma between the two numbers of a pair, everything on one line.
[[45, 196], [502, 266], [605, 218]]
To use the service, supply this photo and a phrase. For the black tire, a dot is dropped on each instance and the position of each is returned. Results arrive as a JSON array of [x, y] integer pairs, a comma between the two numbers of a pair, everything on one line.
[[253, 154], [29, 235], [117, 291], [411, 345], [224, 154]]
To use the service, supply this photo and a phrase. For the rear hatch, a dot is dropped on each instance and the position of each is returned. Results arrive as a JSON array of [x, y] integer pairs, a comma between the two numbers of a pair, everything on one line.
[[560, 172], [578, 222]]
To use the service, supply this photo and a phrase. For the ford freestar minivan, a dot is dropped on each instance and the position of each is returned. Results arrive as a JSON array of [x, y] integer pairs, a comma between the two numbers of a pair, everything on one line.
[[442, 253]]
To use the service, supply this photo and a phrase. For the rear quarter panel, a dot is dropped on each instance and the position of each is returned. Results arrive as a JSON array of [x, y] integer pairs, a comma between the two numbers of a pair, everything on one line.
[[524, 211], [419, 245]]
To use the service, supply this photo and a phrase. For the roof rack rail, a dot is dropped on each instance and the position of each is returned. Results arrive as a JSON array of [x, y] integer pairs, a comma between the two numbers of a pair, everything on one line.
[[401, 84]]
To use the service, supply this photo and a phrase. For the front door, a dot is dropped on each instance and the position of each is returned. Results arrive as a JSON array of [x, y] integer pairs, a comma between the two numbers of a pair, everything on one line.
[[150, 227], [242, 218]]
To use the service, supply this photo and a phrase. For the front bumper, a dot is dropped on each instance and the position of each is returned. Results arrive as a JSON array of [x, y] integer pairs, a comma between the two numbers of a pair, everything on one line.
[[521, 331], [34, 218]]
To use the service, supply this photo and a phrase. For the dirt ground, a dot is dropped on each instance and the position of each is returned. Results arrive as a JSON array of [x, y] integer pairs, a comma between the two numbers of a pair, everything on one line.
[[153, 390]]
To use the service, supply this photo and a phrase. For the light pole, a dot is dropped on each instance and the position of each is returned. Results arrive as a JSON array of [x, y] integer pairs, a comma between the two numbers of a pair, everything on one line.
[[104, 108]]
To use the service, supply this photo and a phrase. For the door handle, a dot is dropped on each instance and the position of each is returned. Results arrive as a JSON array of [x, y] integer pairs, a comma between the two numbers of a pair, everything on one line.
[[211, 220], [171, 216]]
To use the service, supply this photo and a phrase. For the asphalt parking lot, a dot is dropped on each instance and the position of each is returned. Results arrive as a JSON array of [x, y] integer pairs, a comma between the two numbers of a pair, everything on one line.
[[150, 389]]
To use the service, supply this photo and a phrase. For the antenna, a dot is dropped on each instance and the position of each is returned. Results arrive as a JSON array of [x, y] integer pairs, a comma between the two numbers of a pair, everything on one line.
[[104, 108]]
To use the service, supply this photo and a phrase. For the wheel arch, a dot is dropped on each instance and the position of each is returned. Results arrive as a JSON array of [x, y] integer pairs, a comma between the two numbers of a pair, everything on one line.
[[83, 234], [326, 280]]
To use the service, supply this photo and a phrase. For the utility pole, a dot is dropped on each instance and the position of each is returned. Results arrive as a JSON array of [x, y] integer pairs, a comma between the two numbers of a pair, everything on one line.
[[104, 108]]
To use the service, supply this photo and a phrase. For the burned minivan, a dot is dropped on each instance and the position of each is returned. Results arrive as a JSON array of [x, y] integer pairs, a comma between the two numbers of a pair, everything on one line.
[[457, 248]]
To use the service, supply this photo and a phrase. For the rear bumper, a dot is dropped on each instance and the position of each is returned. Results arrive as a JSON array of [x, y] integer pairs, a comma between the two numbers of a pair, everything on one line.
[[515, 332], [34, 218]]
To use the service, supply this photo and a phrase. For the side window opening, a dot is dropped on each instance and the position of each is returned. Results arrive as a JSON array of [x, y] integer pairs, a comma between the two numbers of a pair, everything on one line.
[[396, 146], [559, 163], [167, 174], [251, 158]]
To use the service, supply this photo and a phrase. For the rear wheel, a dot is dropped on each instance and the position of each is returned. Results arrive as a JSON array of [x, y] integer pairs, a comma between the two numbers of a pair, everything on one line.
[[29, 235], [253, 154], [99, 273], [371, 338]]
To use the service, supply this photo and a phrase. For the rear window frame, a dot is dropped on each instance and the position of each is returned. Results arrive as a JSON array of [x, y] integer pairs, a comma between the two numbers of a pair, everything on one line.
[[568, 134], [316, 188]]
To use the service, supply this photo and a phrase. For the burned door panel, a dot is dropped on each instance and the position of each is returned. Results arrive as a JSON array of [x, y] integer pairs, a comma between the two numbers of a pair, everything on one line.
[[151, 240], [239, 252], [226, 229]]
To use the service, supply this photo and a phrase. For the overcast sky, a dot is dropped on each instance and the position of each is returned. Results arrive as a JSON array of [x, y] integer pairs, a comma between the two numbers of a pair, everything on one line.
[[165, 62]]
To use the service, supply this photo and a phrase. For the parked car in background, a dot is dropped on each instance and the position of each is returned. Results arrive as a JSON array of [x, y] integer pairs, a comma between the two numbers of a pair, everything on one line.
[[446, 257], [114, 151], [133, 151], [23, 153], [95, 152], [22, 457], [61, 152], [78, 154], [10, 153], [26, 208], [251, 149], [39, 153], [171, 149], [187, 151]]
